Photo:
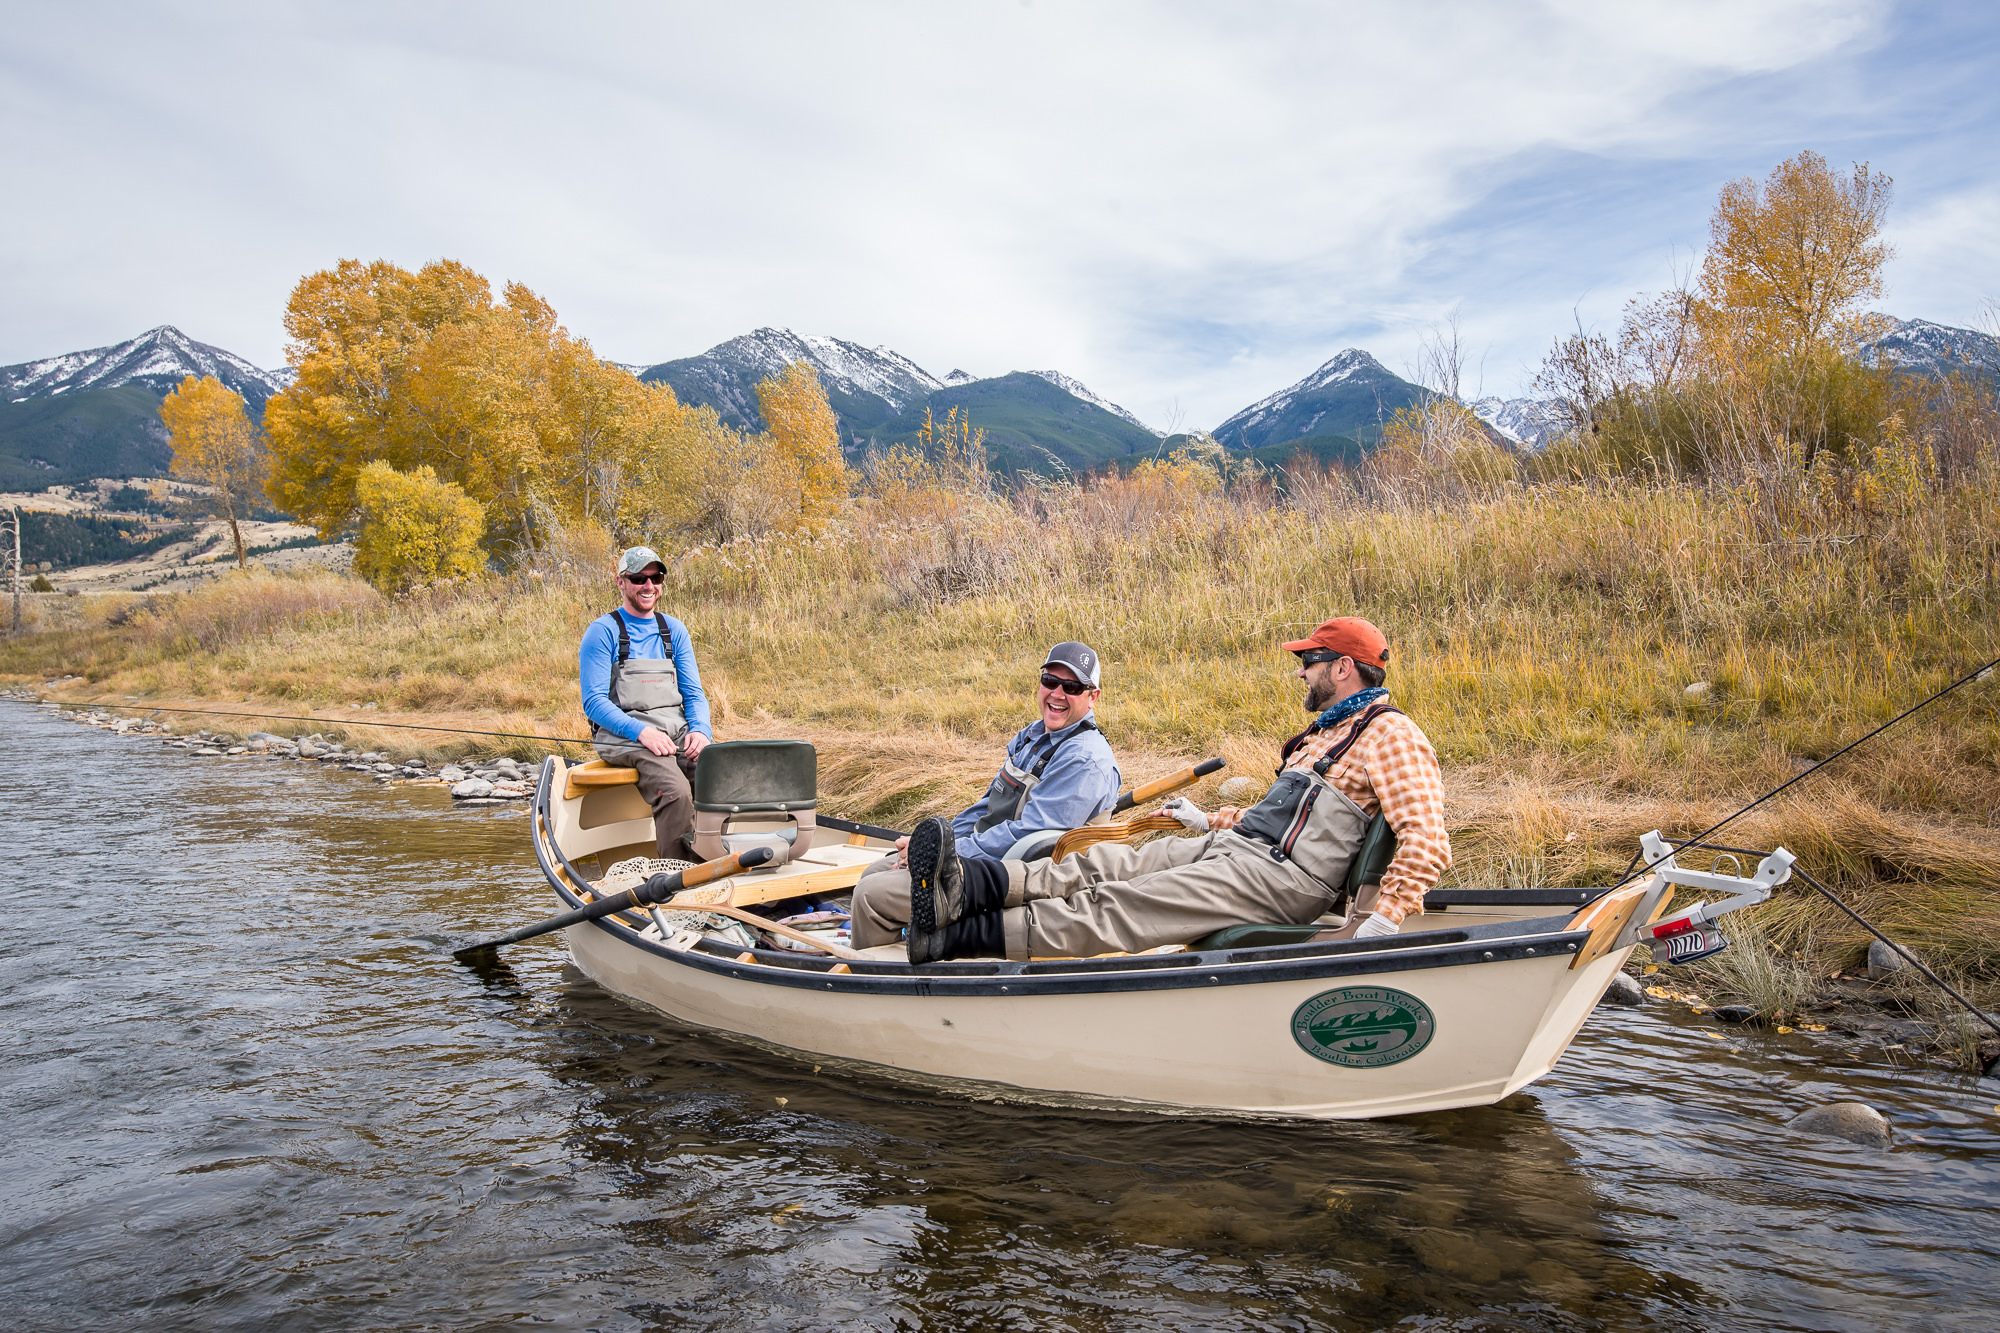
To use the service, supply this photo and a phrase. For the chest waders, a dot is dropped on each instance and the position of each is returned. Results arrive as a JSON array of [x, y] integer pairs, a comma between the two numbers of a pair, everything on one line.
[[646, 688], [1306, 820], [1008, 795]]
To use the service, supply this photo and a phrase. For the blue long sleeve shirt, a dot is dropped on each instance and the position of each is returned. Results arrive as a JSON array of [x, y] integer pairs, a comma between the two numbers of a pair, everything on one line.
[[599, 651], [1080, 782]]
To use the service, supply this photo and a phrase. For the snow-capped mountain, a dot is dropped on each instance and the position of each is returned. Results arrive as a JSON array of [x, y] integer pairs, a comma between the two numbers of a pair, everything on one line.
[[1076, 388], [159, 359], [961, 377], [865, 382], [1352, 392], [1526, 421], [1935, 349]]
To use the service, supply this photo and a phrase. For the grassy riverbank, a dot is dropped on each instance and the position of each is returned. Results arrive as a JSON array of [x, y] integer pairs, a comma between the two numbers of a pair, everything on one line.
[[1547, 638]]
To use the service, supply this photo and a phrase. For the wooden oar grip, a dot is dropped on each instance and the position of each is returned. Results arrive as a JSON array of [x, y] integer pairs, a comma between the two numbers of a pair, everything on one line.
[[662, 887], [1173, 782]]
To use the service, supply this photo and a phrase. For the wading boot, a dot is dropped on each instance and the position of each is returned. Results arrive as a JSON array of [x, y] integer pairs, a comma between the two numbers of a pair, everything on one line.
[[945, 890]]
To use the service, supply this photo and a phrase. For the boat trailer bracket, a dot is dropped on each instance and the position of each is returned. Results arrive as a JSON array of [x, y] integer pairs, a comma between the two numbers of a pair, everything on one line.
[[1692, 932]]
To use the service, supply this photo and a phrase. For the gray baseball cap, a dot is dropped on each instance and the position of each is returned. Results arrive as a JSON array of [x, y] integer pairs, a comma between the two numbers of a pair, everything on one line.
[[1078, 657], [638, 558]]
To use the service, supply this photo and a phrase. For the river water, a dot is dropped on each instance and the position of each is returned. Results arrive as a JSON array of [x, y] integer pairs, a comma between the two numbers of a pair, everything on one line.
[[246, 1087]]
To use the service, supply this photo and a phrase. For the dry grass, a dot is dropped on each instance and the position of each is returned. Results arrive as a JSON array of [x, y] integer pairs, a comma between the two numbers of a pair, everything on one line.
[[1543, 636]]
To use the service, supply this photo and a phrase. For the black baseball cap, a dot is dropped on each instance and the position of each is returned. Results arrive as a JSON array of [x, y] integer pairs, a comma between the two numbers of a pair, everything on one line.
[[1078, 657]]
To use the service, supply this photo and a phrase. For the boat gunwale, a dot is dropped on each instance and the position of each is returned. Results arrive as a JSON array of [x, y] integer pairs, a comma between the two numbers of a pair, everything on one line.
[[1496, 942]]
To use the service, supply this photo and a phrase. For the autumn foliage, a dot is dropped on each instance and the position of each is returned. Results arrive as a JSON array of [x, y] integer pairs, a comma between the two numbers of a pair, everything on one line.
[[427, 370], [216, 446], [415, 529]]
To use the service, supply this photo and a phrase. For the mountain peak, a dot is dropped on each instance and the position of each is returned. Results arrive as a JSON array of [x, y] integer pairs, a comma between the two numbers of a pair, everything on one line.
[[1076, 389], [1350, 393], [159, 358]]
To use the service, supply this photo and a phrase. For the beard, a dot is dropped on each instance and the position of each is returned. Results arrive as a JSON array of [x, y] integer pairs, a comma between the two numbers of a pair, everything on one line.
[[1318, 698]]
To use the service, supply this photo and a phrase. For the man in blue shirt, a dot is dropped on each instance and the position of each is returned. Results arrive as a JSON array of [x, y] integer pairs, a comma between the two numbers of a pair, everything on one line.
[[642, 694], [1058, 773]]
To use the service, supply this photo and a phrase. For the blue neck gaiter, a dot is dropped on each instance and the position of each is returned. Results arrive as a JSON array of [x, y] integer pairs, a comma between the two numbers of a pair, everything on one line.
[[1349, 706]]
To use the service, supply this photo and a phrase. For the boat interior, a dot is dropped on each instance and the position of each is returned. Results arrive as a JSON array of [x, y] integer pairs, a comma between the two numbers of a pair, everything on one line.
[[592, 817]]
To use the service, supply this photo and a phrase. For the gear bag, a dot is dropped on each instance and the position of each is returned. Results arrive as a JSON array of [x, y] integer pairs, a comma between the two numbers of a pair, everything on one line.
[[1008, 795], [1307, 820], [647, 688]]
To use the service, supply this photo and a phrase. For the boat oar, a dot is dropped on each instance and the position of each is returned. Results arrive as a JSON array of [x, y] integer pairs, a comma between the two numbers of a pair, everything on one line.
[[658, 889], [1079, 839], [1172, 782]]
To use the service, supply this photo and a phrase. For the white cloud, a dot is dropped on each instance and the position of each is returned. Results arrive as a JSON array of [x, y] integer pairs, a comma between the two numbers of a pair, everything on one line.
[[1189, 203]]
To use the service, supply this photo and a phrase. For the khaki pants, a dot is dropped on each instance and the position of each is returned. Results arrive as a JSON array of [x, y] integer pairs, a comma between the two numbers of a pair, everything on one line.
[[1118, 899], [665, 783]]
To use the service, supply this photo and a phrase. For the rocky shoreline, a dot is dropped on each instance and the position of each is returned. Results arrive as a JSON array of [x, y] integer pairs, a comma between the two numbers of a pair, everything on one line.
[[472, 783]]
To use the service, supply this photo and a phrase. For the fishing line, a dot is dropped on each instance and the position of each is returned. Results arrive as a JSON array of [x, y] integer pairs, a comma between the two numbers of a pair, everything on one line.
[[1901, 952], [1700, 838], [345, 722]]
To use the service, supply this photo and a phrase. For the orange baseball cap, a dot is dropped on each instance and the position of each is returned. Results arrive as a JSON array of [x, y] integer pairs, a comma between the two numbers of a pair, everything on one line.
[[1350, 636]]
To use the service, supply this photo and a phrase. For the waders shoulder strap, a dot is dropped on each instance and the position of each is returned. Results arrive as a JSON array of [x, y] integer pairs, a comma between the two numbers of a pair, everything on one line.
[[1334, 756]]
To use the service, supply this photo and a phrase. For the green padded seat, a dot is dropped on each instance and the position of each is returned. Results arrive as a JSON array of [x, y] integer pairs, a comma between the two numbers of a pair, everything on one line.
[[1378, 848]]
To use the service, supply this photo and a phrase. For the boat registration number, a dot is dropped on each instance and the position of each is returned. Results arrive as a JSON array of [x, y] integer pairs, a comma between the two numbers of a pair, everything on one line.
[[1701, 942]]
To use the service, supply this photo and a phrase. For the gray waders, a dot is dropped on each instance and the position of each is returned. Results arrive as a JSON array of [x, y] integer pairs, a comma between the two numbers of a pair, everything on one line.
[[1008, 796]]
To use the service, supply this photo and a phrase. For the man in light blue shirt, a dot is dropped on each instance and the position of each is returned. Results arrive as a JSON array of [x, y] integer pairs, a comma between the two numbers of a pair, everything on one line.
[[1058, 774], [642, 693]]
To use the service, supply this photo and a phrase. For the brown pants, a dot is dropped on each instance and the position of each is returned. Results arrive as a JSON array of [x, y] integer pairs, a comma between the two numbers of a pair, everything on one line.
[[665, 783], [1118, 899]]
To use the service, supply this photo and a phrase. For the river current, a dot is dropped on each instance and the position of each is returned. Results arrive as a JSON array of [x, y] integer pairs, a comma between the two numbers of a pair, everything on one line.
[[245, 1087]]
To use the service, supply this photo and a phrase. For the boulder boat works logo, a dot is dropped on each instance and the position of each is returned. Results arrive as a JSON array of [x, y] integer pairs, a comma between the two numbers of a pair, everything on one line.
[[1362, 1027]]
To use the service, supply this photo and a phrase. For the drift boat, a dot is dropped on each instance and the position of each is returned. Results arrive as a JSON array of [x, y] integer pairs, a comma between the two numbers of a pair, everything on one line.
[[1480, 1002]]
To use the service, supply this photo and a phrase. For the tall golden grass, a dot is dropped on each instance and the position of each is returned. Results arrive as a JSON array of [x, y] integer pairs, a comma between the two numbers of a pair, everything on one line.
[[1546, 636]]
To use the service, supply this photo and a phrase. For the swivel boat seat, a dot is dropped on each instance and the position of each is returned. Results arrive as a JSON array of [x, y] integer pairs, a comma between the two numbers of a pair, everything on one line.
[[755, 794]]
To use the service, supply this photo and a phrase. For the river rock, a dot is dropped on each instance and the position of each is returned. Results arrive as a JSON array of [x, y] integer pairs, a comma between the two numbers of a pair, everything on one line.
[[385, 768], [237, 749], [1856, 1122], [513, 791], [1698, 691], [471, 789], [1624, 990], [1735, 1013], [207, 749], [307, 750], [1882, 960], [452, 773]]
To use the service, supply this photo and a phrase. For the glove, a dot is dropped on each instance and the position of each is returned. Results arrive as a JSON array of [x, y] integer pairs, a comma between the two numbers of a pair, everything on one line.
[[1190, 814], [1376, 924]]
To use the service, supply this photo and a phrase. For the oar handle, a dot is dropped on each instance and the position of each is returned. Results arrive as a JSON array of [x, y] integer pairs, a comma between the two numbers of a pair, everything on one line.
[[1173, 782], [655, 890]]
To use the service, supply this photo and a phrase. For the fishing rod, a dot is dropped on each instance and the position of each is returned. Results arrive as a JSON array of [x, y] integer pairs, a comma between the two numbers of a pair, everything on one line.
[[352, 722], [1635, 870]]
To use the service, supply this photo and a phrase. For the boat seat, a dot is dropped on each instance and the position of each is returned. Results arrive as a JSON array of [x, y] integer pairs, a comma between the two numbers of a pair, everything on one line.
[[1378, 848], [742, 787], [1034, 846]]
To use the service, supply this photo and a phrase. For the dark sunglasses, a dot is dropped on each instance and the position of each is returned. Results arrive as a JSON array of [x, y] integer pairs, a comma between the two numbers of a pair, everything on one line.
[[1314, 657], [654, 579], [1051, 681]]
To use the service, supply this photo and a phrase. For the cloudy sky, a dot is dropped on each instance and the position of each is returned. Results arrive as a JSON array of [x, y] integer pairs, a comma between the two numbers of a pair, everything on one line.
[[1185, 205]]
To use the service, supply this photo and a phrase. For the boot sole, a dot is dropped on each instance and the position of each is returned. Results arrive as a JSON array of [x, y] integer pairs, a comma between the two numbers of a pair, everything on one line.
[[926, 847]]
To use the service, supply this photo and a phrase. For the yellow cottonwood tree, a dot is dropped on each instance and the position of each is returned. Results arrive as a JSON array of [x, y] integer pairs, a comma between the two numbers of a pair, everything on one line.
[[1791, 258], [415, 529], [805, 439], [216, 446]]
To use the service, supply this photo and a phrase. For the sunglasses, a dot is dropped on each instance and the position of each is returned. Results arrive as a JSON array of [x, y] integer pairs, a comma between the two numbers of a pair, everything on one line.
[[655, 579], [1051, 681], [1316, 656]]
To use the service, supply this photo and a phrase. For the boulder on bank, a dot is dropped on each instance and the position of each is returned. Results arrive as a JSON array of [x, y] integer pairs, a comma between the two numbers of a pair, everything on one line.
[[1625, 990], [1856, 1122], [472, 789], [1883, 961]]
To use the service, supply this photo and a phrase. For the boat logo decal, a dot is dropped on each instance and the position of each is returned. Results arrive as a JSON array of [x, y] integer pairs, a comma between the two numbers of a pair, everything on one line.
[[1362, 1027]]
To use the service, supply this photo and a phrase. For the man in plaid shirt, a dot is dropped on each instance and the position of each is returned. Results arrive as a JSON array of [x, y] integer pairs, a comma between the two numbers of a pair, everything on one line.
[[1283, 860]]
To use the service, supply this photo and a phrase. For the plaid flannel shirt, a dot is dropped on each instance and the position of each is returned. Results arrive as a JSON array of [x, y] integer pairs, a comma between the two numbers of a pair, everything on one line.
[[1391, 769]]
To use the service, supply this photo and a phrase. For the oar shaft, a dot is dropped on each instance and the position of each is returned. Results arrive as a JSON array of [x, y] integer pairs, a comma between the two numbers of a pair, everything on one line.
[[1173, 782], [657, 889]]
